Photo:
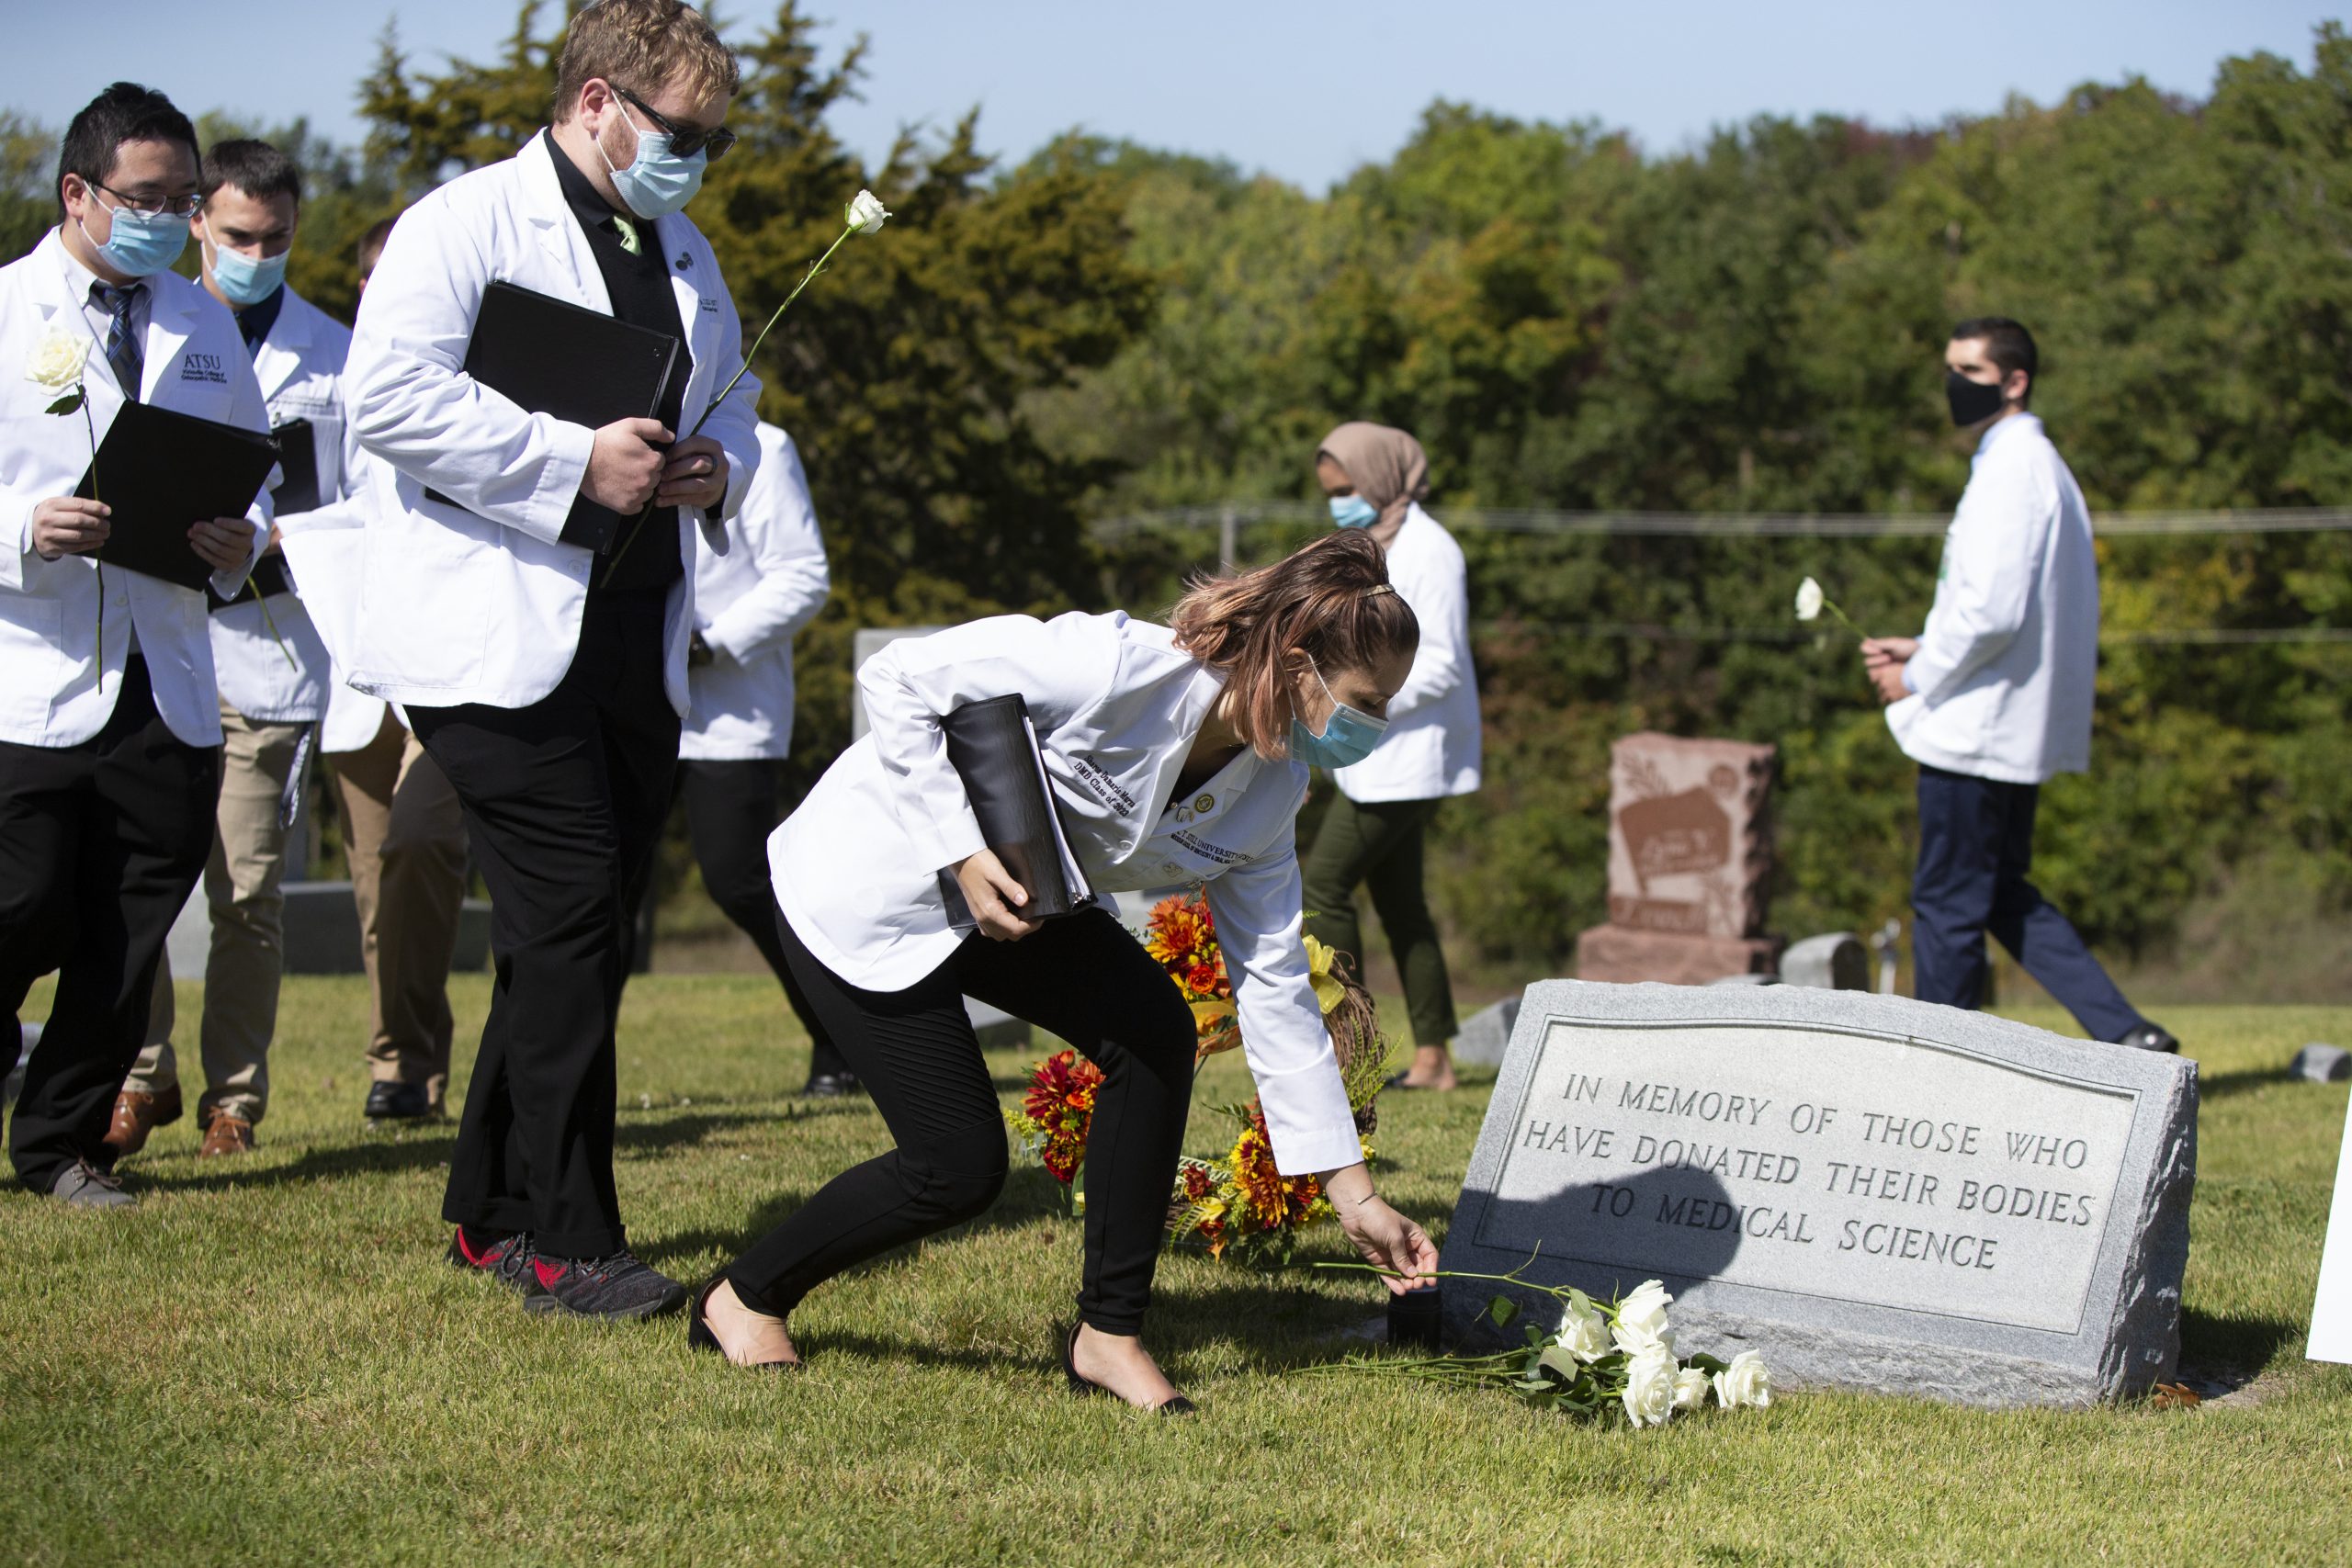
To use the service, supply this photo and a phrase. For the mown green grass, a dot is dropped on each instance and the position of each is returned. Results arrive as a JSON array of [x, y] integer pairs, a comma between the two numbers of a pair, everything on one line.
[[269, 1363]]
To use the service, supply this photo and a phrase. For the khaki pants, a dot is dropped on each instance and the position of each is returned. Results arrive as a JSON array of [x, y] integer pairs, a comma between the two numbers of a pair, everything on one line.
[[405, 836], [248, 954]]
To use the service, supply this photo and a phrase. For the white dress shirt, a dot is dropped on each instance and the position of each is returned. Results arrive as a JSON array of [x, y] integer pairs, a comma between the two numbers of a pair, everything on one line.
[[481, 602], [299, 365], [50, 688], [1116, 707], [751, 602], [2007, 664], [1432, 745]]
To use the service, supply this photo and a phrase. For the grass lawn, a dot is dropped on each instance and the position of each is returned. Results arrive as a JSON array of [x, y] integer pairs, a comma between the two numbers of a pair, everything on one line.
[[269, 1362]]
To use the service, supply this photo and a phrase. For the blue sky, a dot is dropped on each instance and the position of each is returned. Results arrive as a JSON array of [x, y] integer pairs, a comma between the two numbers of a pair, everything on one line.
[[1306, 89]]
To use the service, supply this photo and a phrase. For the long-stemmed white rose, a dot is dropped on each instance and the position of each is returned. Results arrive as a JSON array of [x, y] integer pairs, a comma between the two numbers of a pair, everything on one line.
[[862, 215], [59, 363], [1650, 1386], [1641, 1323], [1811, 601]]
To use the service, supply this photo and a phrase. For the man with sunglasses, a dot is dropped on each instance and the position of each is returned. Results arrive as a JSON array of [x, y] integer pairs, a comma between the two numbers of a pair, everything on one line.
[[527, 601], [110, 713]]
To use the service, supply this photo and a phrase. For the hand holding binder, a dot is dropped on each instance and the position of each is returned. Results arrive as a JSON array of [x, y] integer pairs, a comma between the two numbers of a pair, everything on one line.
[[993, 749], [161, 471]]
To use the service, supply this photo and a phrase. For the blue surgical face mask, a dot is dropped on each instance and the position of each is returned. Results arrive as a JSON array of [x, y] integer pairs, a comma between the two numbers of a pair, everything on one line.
[[1353, 512], [141, 244], [246, 280], [657, 181], [1346, 740]]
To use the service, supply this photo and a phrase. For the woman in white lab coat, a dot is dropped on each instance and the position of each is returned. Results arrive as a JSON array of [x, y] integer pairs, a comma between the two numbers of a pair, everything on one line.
[[1376, 476], [1175, 754]]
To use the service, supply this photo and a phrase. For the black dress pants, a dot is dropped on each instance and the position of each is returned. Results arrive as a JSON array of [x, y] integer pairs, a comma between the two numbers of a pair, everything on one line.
[[564, 801], [1081, 977], [731, 807], [100, 845]]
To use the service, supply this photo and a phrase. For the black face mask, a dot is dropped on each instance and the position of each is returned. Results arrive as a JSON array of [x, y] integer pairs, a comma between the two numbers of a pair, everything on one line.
[[1971, 401]]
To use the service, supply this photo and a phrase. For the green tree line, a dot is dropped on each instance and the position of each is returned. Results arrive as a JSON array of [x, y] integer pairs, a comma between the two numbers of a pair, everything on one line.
[[1753, 325]]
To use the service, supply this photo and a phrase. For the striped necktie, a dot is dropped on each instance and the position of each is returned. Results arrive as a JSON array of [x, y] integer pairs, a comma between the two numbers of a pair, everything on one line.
[[123, 351]]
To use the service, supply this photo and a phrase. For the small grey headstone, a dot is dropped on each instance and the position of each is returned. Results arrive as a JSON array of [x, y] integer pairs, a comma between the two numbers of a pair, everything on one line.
[[1835, 961], [2323, 1064], [31, 1034], [1870, 1191], [1486, 1035], [996, 1028]]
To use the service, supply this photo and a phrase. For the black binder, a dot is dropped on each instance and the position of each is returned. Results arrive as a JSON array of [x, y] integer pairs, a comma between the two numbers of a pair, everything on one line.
[[554, 357], [161, 471], [298, 455], [993, 749]]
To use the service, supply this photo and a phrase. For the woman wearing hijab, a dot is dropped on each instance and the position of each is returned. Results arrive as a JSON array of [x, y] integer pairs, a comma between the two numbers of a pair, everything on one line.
[[1173, 754], [1375, 478]]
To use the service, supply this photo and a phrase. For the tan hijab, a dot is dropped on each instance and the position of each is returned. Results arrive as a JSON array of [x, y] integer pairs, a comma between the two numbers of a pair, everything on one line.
[[1387, 465]]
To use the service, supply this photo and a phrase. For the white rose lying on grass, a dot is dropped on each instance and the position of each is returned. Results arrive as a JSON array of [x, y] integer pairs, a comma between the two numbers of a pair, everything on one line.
[[1650, 1380], [1583, 1335], [57, 360], [1690, 1388], [1744, 1383], [1641, 1319]]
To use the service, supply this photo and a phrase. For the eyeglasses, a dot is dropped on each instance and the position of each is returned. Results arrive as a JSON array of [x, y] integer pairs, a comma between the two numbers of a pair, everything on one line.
[[177, 206], [685, 144]]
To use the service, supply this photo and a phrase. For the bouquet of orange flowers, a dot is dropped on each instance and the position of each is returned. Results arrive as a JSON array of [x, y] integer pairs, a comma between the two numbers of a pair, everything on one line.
[[1055, 1113], [1181, 935]]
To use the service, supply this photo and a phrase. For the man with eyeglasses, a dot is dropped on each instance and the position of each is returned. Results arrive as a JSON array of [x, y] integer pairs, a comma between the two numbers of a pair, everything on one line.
[[526, 602], [110, 713]]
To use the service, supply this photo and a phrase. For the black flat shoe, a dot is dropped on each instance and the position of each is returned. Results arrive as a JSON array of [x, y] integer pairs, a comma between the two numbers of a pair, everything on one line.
[[1084, 1388], [832, 1086], [700, 1337]]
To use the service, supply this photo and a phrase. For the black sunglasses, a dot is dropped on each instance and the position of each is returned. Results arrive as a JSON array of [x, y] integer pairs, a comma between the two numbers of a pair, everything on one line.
[[685, 144]]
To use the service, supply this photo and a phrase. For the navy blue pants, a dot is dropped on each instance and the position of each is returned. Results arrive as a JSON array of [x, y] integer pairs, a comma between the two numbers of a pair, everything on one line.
[[1976, 848]]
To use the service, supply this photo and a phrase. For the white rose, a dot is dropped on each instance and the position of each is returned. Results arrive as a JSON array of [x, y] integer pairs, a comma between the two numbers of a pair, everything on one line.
[[1583, 1335], [1690, 1388], [866, 214], [1808, 600], [1650, 1387], [1744, 1383], [1641, 1320], [57, 361]]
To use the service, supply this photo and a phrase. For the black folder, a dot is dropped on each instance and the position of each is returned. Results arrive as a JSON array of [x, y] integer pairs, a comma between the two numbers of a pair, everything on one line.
[[551, 356], [298, 455], [993, 747], [161, 471]]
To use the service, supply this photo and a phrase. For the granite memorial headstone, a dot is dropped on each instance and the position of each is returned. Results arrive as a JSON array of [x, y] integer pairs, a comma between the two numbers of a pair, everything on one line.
[[1873, 1192]]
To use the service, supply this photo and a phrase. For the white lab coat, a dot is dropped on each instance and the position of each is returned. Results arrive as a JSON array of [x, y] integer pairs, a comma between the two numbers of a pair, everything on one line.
[[2005, 672], [750, 604], [299, 365], [51, 692], [1116, 707], [479, 603], [327, 551], [1432, 745]]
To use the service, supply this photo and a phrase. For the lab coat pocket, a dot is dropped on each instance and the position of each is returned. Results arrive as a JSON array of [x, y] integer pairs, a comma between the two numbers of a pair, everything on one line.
[[32, 649], [432, 640]]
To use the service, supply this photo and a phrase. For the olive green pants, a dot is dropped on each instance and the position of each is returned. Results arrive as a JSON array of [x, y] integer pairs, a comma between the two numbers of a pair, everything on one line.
[[1378, 844]]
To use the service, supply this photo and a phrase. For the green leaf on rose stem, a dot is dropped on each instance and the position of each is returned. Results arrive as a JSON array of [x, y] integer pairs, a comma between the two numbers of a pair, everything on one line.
[[1706, 1364], [1502, 1309], [1578, 1302], [70, 404]]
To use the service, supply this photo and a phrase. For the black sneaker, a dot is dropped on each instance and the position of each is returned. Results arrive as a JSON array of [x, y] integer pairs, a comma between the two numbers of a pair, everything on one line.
[[832, 1086], [2151, 1037], [616, 1286], [390, 1101], [507, 1261]]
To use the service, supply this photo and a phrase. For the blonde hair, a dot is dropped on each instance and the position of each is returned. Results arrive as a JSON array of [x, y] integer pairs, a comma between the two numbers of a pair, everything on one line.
[[644, 46], [1332, 600]]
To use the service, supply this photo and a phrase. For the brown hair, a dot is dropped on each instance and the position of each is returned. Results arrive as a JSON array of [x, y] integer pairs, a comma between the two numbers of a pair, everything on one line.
[[1333, 600], [643, 45], [372, 243]]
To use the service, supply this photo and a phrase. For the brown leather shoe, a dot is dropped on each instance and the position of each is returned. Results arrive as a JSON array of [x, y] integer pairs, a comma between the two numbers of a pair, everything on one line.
[[226, 1134], [136, 1115]]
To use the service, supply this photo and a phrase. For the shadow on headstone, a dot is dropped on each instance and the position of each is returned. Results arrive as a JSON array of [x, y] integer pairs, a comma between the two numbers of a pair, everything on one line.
[[1666, 1222]]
